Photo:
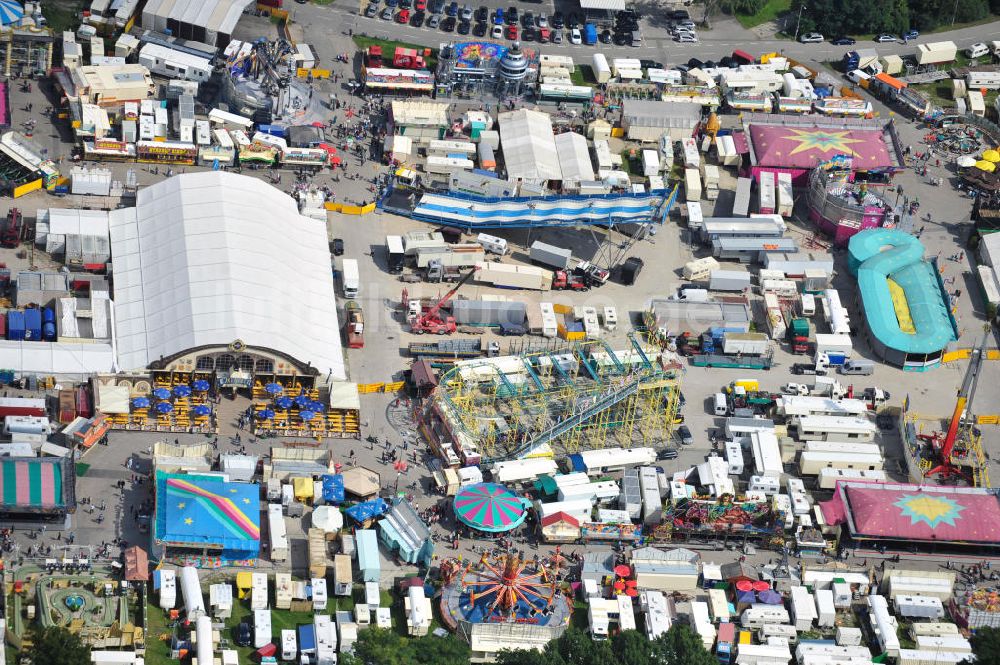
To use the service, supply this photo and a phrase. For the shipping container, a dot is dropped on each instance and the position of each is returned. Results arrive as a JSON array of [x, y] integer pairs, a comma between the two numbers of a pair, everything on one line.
[[22, 406], [754, 344], [741, 205], [786, 199], [67, 406], [692, 184], [729, 280], [550, 255], [829, 476], [395, 253], [33, 324]]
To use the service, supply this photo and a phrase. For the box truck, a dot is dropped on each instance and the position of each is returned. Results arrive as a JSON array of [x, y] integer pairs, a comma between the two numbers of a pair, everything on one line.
[[351, 278]]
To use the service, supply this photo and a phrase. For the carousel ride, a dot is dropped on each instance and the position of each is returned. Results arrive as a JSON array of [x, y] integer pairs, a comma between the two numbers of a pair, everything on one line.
[[504, 588]]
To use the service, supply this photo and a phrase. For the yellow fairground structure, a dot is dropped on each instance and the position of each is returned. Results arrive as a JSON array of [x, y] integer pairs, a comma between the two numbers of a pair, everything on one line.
[[572, 395]]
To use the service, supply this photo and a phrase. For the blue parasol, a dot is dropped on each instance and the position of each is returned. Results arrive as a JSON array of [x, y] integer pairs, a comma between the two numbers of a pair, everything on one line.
[[10, 12], [159, 393], [317, 407], [307, 415], [284, 402], [266, 414], [164, 407], [201, 385], [141, 402], [201, 410], [182, 391], [302, 401], [274, 389]]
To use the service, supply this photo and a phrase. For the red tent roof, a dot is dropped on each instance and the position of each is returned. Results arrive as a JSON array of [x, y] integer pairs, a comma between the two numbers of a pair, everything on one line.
[[806, 147], [560, 517], [913, 512], [136, 564]]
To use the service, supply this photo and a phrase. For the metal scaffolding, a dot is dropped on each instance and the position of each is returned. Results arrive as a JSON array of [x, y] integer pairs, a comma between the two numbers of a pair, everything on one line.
[[569, 395]]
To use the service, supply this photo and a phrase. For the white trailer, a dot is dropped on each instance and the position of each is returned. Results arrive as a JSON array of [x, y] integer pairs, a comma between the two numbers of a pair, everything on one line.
[[734, 458], [786, 200], [194, 603], [829, 477], [289, 645], [884, 625], [692, 185], [758, 616], [277, 532], [262, 628], [803, 608], [827, 343], [810, 464], [611, 460], [792, 406], [780, 631], [843, 447], [700, 269], [916, 606], [952, 643], [765, 194], [826, 611], [319, 593], [258, 591], [168, 589], [602, 70], [763, 654], [933, 628], [834, 428], [741, 206], [523, 470]]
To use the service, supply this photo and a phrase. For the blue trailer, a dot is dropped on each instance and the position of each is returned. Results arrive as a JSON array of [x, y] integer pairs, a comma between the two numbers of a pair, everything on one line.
[[590, 34], [15, 325], [33, 324]]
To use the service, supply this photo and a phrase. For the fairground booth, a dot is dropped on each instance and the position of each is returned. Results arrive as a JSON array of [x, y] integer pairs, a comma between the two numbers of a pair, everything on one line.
[[206, 522]]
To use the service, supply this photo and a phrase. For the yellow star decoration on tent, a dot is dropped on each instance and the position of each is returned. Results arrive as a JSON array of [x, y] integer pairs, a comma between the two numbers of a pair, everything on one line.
[[181, 505], [823, 141], [188, 521], [246, 500]]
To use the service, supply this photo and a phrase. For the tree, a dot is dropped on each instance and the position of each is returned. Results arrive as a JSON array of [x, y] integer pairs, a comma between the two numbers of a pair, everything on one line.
[[387, 647], [57, 646], [433, 650], [680, 646], [631, 648], [985, 646]]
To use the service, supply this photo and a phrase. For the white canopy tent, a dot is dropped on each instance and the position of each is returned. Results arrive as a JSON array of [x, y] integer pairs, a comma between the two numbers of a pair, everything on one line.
[[529, 147], [205, 259]]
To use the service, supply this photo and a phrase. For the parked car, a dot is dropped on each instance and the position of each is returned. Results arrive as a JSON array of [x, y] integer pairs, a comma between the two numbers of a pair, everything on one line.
[[667, 453], [497, 32], [527, 19], [498, 16], [910, 35], [542, 21], [466, 13], [650, 64], [434, 21], [417, 19], [512, 16], [479, 29], [529, 34], [883, 38], [512, 32], [558, 21], [686, 38], [403, 16], [844, 41], [811, 38], [420, 5], [605, 36], [436, 6], [243, 634], [391, 3], [372, 10], [452, 9], [557, 36], [448, 24], [575, 37], [684, 434], [483, 13], [386, 14], [464, 27]]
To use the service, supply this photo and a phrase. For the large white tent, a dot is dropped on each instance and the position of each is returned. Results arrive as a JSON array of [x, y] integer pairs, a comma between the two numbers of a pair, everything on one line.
[[529, 147], [205, 259]]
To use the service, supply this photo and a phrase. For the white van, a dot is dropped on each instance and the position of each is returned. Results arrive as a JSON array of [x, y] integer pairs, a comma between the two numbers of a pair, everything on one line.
[[721, 406], [977, 50], [492, 244], [860, 366], [857, 76]]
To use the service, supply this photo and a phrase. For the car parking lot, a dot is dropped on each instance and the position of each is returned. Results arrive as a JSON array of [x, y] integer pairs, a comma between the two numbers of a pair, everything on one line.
[[539, 23]]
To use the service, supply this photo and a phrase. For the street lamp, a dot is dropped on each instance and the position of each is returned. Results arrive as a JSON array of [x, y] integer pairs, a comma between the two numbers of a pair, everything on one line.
[[799, 20]]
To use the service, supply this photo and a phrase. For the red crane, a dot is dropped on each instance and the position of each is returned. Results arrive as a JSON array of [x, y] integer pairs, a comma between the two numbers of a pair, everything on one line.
[[962, 420], [430, 320]]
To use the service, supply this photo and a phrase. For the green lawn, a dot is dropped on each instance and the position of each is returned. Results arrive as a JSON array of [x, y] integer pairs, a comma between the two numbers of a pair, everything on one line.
[[60, 16], [771, 11], [389, 47], [583, 75]]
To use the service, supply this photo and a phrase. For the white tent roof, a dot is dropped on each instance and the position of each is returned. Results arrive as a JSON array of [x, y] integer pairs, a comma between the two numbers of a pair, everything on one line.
[[213, 15], [529, 148], [574, 157], [210, 258], [59, 358]]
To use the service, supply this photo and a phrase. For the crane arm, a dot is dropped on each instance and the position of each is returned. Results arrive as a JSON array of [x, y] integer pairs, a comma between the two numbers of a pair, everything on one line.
[[433, 311], [965, 395]]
